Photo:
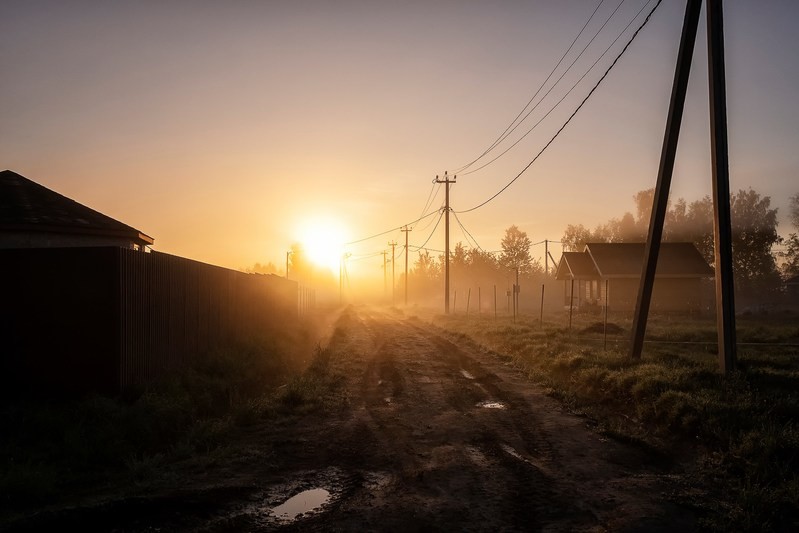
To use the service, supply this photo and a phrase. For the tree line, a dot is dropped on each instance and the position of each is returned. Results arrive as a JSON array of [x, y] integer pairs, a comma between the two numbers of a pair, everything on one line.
[[758, 268]]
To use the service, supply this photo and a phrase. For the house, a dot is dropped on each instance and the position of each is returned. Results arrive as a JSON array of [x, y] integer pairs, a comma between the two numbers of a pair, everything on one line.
[[33, 216], [609, 274]]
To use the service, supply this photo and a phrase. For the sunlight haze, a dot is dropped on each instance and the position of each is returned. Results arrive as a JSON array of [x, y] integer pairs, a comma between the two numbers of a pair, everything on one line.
[[229, 131]]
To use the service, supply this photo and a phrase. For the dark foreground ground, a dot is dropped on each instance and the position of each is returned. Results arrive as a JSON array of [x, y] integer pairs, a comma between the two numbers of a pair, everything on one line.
[[417, 434]]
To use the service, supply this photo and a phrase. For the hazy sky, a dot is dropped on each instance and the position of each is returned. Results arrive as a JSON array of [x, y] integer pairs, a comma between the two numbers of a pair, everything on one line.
[[220, 128]]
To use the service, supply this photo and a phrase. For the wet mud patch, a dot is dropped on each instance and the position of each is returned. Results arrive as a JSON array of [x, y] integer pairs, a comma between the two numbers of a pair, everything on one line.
[[308, 494]]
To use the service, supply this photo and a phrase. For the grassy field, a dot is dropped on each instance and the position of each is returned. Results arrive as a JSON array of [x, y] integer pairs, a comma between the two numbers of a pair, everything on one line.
[[740, 432], [54, 452]]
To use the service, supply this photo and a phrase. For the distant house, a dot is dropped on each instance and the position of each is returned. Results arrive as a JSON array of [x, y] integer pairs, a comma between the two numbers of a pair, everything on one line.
[[611, 272], [33, 216]]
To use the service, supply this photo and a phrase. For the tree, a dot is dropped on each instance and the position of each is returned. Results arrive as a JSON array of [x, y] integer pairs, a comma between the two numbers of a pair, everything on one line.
[[754, 233], [575, 237], [258, 268], [790, 266], [516, 251], [425, 267]]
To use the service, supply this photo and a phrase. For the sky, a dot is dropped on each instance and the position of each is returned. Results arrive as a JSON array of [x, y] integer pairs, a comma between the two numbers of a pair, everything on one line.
[[230, 130]]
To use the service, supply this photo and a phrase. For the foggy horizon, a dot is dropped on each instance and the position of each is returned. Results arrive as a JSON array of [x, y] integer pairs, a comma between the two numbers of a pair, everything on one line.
[[229, 133]]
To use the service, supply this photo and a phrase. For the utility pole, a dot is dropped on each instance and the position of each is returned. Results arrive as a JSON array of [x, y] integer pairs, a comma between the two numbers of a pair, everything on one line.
[[287, 264], [546, 257], [385, 276], [393, 283], [722, 234], [342, 272], [446, 181], [516, 292], [406, 230]]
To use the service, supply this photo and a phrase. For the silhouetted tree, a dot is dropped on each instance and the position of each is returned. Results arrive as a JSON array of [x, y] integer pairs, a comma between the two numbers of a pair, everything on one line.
[[516, 251], [258, 268], [575, 237], [754, 229], [790, 256]]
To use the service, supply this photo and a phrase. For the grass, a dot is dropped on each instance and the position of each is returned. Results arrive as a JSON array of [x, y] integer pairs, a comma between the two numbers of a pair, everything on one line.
[[741, 430], [49, 449]]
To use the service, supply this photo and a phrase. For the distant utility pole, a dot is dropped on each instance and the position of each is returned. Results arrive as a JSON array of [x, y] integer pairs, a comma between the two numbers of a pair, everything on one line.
[[385, 276], [446, 181], [546, 257], [393, 283], [406, 230], [342, 273], [287, 264]]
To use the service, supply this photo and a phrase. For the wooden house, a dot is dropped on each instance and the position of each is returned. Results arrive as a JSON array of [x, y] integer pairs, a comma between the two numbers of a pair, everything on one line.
[[33, 216], [610, 273]]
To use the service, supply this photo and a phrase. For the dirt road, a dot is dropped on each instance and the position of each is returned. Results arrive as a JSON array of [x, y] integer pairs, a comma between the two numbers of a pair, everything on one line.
[[430, 436]]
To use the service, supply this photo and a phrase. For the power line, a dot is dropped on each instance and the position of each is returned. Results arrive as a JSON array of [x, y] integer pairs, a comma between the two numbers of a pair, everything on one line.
[[506, 135], [466, 232], [503, 135], [555, 106], [430, 197], [432, 232], [431, 213], [557, 133]]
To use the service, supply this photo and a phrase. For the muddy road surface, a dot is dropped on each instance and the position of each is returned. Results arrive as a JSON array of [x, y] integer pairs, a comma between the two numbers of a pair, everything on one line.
[[429, 432]]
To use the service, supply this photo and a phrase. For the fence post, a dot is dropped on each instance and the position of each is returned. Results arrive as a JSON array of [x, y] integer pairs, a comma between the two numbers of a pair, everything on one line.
[[606, 316], [571, 305], [541, 319], [468, 300]]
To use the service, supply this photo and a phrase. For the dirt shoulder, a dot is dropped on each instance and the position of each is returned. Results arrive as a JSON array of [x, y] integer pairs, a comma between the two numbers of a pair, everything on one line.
[[418, 434]]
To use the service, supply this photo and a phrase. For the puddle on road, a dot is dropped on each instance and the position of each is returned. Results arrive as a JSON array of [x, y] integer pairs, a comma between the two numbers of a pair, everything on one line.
[[491, 404], [306, 501], [467, 374], [512, 452], [307, 494]]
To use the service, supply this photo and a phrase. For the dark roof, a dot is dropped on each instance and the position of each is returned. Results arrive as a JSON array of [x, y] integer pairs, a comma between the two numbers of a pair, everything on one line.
[[626, 260], [792, 281], [576, 265], [27, 206]]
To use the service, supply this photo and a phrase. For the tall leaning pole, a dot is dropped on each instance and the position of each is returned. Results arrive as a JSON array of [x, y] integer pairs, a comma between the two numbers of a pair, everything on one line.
[[722, 233]]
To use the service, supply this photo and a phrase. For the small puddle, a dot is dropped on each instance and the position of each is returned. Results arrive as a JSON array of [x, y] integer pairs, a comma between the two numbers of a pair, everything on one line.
[[512, 452], [491, 404], [305, 502], [467, 374]]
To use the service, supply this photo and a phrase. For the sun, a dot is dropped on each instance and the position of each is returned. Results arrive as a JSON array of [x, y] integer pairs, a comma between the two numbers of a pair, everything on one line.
[[323, 242]]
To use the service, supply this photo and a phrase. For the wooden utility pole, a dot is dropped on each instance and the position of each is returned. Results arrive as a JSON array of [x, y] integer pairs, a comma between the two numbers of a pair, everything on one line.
[[722, 234], [722, 227], [406, 230], [393, 283], [546, 257], [385, 276], [287, 264], [446, 181]]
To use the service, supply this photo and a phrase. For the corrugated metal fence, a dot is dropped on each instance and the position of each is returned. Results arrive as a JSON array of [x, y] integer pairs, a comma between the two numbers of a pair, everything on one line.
[[108, 319]]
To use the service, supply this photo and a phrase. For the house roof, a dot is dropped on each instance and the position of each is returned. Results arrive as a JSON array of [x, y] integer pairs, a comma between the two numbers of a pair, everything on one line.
[[626, 260], [576, 265], [27, 206]]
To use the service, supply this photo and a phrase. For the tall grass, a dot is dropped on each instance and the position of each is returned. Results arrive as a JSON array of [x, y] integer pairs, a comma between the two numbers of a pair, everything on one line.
[[51, 448], [741, 429]]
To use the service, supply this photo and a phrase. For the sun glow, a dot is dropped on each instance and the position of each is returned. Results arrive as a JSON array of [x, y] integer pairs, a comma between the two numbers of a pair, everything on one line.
[[323, 242]]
